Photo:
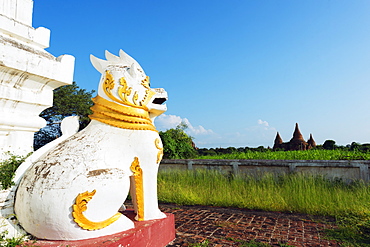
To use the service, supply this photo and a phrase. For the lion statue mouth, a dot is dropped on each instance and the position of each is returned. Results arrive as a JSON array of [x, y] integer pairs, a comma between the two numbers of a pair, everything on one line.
[[159, 101], [157, 106]]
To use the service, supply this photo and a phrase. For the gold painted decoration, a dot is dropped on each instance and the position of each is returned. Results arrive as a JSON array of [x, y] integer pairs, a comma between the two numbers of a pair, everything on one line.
[[139, 191], [120, 116], [81, 205], [159, 146], [135, 98], [108, 85], [126, 95], [148, 95], [146, 82], [124, 92]]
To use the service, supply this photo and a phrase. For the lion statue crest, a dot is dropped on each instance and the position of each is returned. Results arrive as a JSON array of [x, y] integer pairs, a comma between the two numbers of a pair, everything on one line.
[[75, 190]]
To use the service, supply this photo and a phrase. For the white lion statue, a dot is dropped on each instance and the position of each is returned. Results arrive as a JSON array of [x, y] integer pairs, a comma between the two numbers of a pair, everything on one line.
[[75, 190]]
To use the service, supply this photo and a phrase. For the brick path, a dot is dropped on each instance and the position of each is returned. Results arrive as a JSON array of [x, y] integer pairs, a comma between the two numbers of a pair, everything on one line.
[[233, 227]]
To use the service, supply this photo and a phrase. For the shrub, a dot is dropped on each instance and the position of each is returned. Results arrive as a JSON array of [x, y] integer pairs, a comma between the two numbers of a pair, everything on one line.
[[177, 144], [8, 168]]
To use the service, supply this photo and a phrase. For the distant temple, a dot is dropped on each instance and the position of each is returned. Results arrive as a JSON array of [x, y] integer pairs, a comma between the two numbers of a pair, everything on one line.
[[296, 143]]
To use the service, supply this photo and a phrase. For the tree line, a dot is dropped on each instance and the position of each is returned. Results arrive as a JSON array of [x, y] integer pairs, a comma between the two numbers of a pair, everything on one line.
[[328, 145], [71, 100]]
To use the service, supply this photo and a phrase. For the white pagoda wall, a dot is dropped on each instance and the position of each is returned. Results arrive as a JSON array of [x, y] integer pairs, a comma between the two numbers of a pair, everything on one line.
[[28, 75]]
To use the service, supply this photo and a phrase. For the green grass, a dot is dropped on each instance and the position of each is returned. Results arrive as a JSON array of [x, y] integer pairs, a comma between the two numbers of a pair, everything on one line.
[[7, 171], [353, 230], [315, 195], [289, 193], [314, 154], [10, 242]]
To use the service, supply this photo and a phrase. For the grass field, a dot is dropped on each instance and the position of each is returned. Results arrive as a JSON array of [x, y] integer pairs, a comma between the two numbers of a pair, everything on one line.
[[348, 203]]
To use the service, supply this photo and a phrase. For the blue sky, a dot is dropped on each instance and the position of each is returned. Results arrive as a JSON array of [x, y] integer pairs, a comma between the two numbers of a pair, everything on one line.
[[236, 71]]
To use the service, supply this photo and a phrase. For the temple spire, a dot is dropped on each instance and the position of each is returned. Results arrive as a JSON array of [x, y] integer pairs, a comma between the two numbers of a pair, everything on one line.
[[278, 141], [297, 134], [296, 143], [311, 142]]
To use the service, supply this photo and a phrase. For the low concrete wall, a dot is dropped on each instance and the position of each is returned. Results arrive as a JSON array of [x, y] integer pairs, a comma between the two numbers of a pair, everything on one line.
[[346, 169]]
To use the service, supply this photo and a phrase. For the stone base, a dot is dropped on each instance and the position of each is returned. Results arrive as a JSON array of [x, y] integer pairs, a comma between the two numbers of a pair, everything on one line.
[[152, 233]]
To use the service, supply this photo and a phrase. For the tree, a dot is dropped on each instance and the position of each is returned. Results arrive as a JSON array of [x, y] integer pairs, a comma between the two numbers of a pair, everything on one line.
[[69, 100], [355, 146], [177, 144], [329, 145]]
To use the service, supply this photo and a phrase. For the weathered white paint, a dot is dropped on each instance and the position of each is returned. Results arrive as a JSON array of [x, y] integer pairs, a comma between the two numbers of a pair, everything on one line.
[[69, 127], [28, 75], [97, 158], [8, 222]]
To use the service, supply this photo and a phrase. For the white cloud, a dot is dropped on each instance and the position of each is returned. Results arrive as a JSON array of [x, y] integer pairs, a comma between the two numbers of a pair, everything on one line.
[[264, 123], [165, 122], [196, 130], [260, 134]]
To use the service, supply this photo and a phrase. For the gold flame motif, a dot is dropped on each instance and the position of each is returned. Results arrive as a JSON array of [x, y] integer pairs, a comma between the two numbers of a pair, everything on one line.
[[81, 205], [125, 92], [159, 146], [139, 191]]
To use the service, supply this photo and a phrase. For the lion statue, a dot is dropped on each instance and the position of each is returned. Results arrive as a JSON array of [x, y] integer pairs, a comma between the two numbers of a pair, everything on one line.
[[76, 189]]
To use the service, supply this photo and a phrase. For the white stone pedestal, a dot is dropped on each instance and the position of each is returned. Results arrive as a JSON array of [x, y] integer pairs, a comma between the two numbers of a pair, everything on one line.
[[28, 75]]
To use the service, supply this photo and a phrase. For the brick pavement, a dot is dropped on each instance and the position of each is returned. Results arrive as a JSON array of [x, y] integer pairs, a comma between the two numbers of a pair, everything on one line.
[[235, 227]]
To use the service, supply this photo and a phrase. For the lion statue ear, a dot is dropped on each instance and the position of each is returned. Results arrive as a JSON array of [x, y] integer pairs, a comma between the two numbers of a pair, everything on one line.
[[98, 64], [123, 58], [111, 57]]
